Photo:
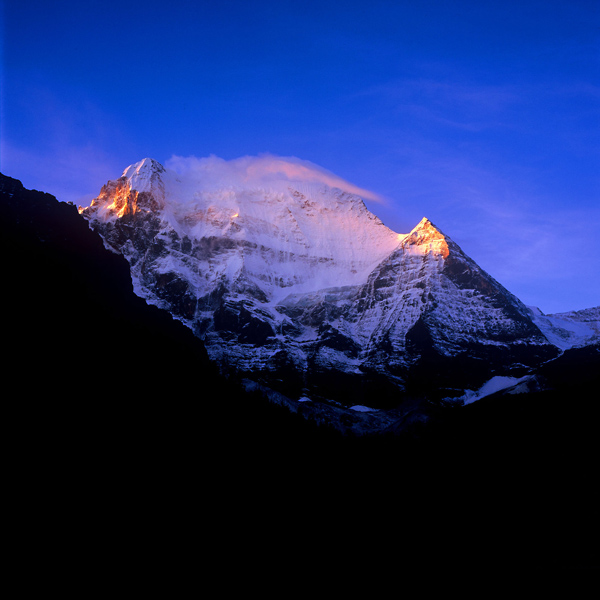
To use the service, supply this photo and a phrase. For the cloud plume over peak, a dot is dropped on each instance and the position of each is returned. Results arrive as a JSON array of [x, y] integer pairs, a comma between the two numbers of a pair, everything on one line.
[[261, 171]]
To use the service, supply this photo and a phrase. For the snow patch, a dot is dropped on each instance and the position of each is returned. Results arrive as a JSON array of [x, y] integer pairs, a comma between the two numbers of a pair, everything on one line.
[[495, 384]]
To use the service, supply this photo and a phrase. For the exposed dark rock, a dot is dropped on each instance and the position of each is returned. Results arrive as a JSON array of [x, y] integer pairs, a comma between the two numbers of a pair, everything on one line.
[[236, 318]]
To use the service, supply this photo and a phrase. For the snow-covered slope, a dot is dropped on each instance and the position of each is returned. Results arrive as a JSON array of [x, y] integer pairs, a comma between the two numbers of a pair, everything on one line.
[[570, 329], [275, 235], [298, 285]]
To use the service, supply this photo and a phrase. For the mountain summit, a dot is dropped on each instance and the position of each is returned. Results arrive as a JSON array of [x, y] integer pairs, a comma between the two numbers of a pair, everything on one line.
[[298, 287]]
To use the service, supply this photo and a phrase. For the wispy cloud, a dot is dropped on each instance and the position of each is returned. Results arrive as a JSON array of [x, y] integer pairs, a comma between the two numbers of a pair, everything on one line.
[[262, 169], [471, 106]]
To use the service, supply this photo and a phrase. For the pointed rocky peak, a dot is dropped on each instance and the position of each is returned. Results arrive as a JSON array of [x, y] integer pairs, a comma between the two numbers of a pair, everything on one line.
[[139, 187], [426, 226], [427, 238]]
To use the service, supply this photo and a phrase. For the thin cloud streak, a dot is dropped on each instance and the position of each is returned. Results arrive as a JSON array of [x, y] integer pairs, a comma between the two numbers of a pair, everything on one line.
[[260, 170]]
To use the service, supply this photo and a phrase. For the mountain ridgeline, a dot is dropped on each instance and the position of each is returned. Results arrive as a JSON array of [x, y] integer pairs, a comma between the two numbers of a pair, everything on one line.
[[304, 294]]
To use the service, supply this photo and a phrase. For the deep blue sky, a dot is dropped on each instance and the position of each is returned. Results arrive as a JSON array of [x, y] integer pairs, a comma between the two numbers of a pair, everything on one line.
[[483, 116]]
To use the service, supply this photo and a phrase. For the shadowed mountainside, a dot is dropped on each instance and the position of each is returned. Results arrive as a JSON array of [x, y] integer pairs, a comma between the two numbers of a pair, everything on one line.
[[114, 410]]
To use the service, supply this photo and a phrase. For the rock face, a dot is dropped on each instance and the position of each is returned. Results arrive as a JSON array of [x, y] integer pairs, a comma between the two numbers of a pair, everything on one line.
[[298, 287]]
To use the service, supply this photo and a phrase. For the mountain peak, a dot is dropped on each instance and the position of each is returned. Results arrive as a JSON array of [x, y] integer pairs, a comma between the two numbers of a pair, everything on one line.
[[426, 225], [143, 174], [423, 222], [142, 166], [427, 238]]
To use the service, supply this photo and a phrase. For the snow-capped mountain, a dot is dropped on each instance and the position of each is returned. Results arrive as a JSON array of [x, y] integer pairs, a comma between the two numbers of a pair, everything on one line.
[[298, 287]]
